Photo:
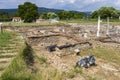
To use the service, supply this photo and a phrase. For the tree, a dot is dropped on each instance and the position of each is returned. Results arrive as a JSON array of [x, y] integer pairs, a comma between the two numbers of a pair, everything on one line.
[[67, 15], [28, 12], [105, 12], [4, 16], [44, 16], [70, 15], [78, 15], [51, 15], [94, 14], [62, 15]]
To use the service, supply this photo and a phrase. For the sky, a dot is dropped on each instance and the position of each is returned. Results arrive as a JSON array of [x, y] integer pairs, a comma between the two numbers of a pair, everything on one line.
[[77, 5]]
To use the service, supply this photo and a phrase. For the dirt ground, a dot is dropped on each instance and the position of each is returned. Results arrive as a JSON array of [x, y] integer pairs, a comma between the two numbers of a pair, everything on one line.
[[64, 60]]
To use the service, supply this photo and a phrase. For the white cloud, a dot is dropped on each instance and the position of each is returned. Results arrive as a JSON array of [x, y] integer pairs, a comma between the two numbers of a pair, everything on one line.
[[72, 1], [61, 1], [67, 1], [95, 0], [117, 2]]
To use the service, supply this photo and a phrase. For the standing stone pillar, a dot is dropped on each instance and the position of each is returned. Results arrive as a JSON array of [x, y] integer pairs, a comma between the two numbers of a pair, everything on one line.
[[98, 27], [108, 26], [63, 30], [1, 27]]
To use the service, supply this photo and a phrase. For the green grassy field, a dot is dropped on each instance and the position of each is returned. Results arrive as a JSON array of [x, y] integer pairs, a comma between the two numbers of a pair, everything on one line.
[[62, 23], [17, 24], [107, 54], [92, 21]]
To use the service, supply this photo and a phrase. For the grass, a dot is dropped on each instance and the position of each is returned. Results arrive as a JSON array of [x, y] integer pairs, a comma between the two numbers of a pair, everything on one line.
[[42, 59], [17, 24], [5, 38], [48, 73], [91, 78], [62, 23], [81, 21], [91, 21], [110, 55], [3, 61], [18, 69], [2, 68], [26, 66], [6, 56], [73, 72]]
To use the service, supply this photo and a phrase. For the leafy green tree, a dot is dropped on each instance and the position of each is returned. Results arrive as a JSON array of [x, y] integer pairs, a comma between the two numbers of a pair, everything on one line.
[[67, 15], [105, 12], [62, 15], [4, 16], [118, 12], [94, 14], [44, 16], [28, 12], [70, 15], [78, 15], [51, 15]]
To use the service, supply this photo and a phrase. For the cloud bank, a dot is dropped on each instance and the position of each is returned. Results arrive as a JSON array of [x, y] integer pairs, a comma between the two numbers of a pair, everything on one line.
[[79, 5]]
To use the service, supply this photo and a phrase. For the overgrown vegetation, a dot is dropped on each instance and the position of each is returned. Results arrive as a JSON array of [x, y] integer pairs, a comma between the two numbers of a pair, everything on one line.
[[92, 21], [4, 16], [28, 55], [13, 24], [27, 66], [5, 38], [72, 73], [18, 69], [42, 59], [108, 54]]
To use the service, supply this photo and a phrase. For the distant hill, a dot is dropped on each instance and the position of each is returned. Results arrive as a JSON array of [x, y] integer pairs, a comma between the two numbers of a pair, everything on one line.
[[9, 11], [87, 13], [41, 10]]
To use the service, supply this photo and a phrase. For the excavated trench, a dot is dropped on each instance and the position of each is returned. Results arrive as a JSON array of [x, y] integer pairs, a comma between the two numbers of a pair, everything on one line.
[[66, 44]]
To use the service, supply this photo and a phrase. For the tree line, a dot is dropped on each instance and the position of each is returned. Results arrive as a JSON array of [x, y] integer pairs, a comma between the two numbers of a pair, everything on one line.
[[4, 16], [62, 15]]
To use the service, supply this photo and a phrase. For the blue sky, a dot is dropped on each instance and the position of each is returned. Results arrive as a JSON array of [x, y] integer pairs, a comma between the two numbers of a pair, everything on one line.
[[78, 5]]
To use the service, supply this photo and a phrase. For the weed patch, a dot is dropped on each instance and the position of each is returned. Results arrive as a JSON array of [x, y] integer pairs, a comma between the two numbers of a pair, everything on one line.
[[5, 38], [18, 69]]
